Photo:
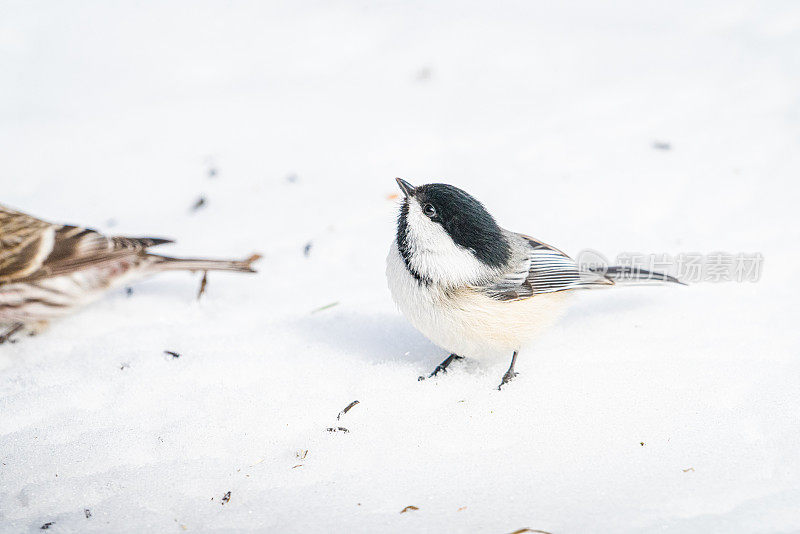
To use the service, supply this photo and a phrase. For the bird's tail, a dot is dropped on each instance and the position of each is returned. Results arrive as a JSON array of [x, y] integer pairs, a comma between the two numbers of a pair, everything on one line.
[[165, 263], [629, 275]]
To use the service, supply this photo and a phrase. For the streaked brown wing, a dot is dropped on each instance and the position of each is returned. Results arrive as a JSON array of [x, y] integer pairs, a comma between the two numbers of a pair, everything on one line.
[[76, 248], [52, 250], [25, 242]]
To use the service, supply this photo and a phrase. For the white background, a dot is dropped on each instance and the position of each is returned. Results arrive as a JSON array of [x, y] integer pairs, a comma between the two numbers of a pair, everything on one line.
[[645, 409]]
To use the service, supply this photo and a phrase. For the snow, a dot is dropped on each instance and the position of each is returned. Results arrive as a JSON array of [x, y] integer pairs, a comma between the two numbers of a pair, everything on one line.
[[644, 409]]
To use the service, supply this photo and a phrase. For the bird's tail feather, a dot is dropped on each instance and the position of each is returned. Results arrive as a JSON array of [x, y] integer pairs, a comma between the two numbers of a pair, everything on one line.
[[165, 263], [627, 274]]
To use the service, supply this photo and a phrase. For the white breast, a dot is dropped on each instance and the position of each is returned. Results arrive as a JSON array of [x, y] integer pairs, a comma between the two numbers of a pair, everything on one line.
[[466, 322]]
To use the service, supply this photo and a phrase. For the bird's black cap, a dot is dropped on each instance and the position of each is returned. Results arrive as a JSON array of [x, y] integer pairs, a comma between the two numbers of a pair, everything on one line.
[[464, 219]]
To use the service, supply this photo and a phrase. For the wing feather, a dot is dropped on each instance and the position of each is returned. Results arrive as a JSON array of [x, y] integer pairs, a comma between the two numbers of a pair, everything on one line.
[[32, 249], [542, 269], [25, 242]]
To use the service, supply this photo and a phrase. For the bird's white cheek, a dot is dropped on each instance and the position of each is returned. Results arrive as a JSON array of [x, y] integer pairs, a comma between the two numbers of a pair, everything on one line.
[[435, 255]]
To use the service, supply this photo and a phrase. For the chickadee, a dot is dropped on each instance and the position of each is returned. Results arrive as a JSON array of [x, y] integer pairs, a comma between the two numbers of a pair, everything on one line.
[[474, 288], [48, 270]]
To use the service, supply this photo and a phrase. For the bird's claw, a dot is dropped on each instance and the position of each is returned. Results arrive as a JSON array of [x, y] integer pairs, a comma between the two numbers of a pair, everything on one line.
[[7, 336], [442, 367], [439, 369], [508, 377], [434, 373]]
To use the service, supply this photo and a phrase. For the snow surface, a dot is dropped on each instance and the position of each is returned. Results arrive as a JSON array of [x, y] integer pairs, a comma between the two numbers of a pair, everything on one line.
[[645, 409]]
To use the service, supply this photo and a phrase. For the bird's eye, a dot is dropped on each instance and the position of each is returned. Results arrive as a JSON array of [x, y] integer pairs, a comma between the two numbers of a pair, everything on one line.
[[429, 210]]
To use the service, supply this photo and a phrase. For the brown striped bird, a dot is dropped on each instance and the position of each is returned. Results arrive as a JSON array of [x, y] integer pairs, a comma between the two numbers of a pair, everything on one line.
[[48, 270]]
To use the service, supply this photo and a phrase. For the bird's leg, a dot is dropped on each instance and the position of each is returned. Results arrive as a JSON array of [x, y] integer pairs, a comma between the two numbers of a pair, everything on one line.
[[16, 327], [442, 367], [511, 373]]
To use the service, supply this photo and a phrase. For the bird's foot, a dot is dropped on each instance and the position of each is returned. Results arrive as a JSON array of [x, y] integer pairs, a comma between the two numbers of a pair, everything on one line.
[[10, 332], [442, 367], [439, 369], [508, 377]]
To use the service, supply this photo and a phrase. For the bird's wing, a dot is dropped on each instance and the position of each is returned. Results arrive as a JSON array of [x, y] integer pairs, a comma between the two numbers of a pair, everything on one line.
[[31, 249], [542, 269], [25, 242]]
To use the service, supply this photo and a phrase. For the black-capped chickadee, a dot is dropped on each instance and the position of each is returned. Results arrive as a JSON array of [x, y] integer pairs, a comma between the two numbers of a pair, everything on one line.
[[476, 289]]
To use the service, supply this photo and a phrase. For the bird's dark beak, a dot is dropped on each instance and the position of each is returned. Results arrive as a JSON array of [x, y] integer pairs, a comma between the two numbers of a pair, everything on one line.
[[407, 188]]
